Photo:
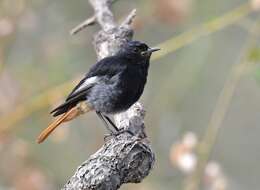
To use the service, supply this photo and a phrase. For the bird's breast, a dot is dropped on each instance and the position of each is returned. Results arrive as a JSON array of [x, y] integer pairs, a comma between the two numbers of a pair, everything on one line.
[[130, 86]]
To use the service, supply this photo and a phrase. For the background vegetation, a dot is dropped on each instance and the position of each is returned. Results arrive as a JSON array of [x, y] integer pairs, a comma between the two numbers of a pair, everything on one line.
[[202, 98]]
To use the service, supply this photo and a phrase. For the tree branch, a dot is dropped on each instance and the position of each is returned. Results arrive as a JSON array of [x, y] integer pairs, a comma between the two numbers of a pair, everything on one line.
[[126, 158], [90, 21]]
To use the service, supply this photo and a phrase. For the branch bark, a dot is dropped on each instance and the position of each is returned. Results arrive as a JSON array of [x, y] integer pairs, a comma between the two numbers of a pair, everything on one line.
[[126, 158]]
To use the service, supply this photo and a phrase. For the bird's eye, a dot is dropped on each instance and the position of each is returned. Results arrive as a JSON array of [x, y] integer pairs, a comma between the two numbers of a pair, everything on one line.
[[136, 50]]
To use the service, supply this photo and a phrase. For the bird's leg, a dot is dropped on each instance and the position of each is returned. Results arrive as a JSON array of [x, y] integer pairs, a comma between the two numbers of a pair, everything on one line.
[[119, 131], [111, 123], [105, 122], [113, 132]]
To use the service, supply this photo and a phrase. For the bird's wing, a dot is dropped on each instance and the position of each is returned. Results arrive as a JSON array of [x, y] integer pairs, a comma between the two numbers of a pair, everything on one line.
[[106, 68], [85, 84], [77, 95]]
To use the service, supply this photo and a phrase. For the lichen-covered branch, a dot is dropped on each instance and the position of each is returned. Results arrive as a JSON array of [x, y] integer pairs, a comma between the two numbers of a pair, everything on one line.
[[126, 158]]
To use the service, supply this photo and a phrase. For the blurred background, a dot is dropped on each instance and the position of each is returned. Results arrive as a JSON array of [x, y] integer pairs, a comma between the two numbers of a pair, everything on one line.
[[202, 97]]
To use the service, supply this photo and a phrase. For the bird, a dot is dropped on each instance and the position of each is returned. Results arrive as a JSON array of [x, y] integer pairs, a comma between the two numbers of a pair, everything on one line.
[[111, 86]]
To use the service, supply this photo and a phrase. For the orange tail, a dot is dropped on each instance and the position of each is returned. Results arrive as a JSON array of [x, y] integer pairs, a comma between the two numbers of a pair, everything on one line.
[[71, 114]]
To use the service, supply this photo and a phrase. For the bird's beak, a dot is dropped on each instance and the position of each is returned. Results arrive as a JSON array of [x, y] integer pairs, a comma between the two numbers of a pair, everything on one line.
[[153, 49], [150, 51]]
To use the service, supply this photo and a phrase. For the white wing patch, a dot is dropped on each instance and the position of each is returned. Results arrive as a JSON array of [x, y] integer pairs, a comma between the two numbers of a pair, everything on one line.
[[88, 82]]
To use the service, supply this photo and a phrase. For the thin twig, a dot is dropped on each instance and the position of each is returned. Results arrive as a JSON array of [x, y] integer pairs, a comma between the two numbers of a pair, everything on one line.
[[129, 19], [186, 38], [35, 103], [90, 21]]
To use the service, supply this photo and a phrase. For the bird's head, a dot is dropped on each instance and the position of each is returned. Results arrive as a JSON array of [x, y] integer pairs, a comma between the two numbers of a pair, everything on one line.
[[138, 50]]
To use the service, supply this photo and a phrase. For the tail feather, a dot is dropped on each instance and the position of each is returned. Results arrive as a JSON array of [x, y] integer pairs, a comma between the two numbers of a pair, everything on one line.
[[80, 108], [71, 114]]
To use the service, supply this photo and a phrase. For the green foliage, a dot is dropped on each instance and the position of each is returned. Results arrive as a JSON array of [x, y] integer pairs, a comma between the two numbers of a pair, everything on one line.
[[254, 55]]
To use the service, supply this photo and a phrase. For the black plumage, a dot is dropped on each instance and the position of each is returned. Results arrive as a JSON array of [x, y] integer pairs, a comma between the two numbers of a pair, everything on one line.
[[119, 84], [111, 86]]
